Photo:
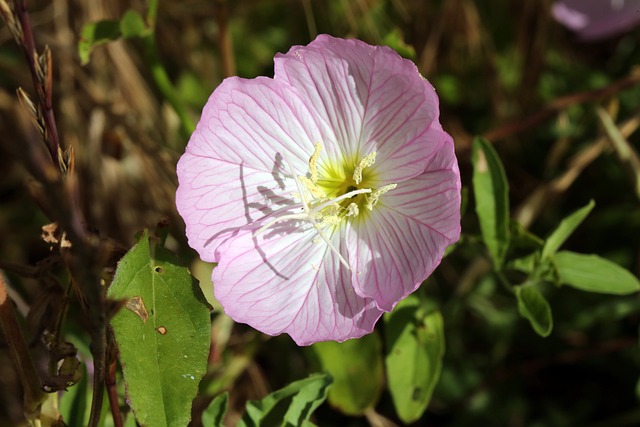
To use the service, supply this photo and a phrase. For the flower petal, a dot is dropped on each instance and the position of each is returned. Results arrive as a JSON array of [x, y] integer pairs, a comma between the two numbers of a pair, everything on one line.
[[597, 19], [375, 99], [232, 172], [287, 280], [399, 244]]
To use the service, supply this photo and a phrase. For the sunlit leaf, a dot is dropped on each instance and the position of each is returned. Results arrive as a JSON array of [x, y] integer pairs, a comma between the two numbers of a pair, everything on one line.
[[491, 189], [213, 416], [534, 307], [565, 229], [525, 264], [289, 406], [415, 346], [162, 332], [594, 274], [357, 371]]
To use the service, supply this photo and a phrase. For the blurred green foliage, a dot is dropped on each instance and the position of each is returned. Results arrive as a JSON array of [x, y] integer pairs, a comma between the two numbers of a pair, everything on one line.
[[492, 64]]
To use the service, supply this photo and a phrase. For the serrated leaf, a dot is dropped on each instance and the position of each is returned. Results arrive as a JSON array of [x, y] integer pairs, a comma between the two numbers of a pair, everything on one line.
[[594, 274], [491, 190], [534, 307], [213, 416], [565, 229], [96, 34], [415, 348], [132, 25], [357, 371], [163, 334], [289, 406]]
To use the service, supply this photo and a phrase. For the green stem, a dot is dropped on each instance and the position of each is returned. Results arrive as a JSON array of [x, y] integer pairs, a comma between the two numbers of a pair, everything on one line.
[[159, 74], [152, 14]]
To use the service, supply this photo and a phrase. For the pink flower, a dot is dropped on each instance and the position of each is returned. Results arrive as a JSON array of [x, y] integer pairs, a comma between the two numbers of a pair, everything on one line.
[[597, 19], [326, 194]]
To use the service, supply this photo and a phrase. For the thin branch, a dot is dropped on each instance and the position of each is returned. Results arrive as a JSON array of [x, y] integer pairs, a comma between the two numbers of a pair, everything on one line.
[[509, 129], [42, 76], [33, 393], [225, 43]]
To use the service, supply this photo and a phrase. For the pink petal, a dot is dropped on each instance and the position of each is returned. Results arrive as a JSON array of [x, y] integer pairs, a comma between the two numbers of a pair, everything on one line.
[[400, 243], [285, 280], [597, 19], [232, 172], [372, 97]]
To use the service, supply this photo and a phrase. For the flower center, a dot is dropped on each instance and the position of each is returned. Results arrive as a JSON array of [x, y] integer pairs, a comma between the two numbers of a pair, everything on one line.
[[331, 199]]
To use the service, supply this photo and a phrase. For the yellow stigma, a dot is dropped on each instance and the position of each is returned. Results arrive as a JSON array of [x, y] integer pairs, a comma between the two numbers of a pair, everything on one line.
[[335, 197]]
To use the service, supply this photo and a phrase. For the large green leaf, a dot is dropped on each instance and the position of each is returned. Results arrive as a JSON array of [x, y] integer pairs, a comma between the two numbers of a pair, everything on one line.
[[594, 274], [415, 346], [565, 229], [491, 190], [357, 371], [533, 306], [289, 406], [162, 332]]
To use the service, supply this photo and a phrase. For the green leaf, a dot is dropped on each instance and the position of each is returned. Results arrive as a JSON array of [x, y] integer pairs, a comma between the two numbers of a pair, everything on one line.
[[395, 40], [594, 274], [415, 347], [162, 332], [491, 190], [357, 371], [132, 25], [565, 229], [213, 416], [101, 32], [525, 264], [533, 306], [289, 406], [74, 401], [96, 34]]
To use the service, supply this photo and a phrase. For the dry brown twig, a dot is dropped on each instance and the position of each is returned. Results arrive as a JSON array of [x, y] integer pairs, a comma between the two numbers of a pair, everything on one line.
[[61, 197]]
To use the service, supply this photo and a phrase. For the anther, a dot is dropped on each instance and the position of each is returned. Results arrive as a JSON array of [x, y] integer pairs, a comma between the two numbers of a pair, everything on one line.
[[372, 200], [366, 161]]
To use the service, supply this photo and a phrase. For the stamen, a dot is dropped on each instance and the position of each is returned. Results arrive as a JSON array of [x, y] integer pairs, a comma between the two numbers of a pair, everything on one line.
[[372, 200], [333, 248], [313, 188], [366, 161], [313, 169], [352, 210], [348, 195], [315, 215]]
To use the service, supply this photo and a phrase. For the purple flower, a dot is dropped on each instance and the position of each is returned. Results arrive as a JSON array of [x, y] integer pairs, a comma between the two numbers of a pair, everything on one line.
[[326, 194], [597, 19]]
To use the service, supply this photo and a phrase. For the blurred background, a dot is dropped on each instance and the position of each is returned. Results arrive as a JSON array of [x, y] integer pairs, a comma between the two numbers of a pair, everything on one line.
[[507, 70]]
